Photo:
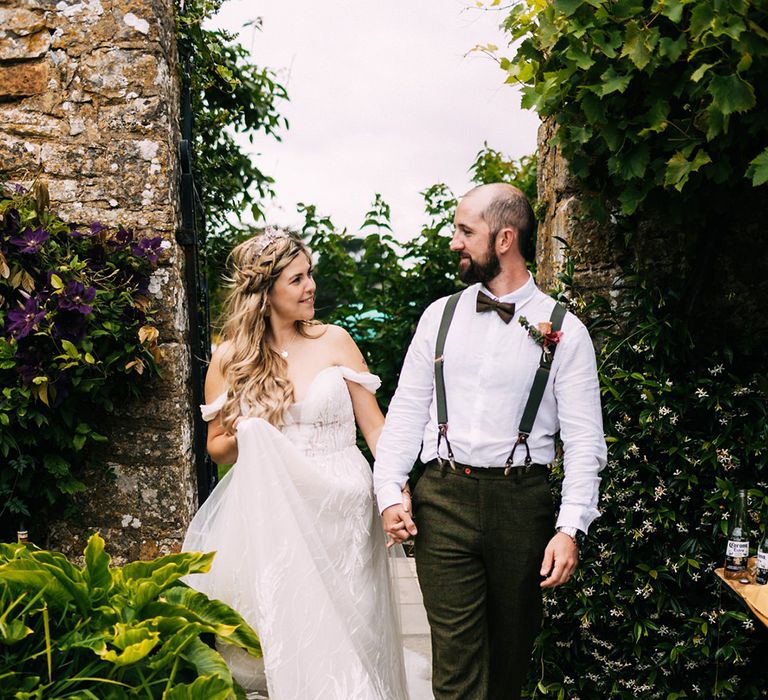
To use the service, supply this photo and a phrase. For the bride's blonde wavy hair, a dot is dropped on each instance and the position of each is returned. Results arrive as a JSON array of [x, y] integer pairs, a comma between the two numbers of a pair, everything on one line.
[[255, 374]]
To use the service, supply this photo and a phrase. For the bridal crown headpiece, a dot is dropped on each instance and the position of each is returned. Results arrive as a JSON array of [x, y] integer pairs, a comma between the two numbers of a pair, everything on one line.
[[271, 235]]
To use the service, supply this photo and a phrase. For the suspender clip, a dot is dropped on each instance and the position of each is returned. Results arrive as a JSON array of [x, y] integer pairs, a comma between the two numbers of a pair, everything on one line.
[[442, 432], [522, 439]]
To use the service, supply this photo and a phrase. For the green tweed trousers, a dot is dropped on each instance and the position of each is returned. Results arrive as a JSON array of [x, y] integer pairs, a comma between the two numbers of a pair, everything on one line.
[[478, 554]]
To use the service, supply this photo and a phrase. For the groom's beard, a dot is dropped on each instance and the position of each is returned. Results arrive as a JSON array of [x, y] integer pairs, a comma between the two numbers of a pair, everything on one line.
[[476, 271]]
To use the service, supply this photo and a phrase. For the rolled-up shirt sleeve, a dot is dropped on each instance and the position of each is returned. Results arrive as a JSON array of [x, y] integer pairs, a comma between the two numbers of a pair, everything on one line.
[[577, 393], [409, 411]]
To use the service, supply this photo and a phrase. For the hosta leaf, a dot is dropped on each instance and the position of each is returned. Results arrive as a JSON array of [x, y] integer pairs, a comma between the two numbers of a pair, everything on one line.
[[206, 661], [13, 631], [143, 580], [96, 570], [208, 688], [217, 616], [133, 644]]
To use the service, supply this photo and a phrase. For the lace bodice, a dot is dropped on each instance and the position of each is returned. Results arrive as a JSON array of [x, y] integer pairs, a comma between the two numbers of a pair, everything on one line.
[[324, 421]]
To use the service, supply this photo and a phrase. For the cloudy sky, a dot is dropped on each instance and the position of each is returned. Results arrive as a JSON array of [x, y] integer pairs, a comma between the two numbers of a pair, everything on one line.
[[383, 98]]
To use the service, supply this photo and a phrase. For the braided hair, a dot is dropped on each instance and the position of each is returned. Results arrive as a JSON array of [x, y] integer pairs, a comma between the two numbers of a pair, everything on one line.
[[255, 374]]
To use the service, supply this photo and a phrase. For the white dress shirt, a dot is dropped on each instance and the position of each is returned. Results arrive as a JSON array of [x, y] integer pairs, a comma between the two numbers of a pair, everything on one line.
[[489, 368]]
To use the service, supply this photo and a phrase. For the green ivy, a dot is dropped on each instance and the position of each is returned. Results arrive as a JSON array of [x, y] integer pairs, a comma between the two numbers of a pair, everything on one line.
[[658, 103], [76, 339]]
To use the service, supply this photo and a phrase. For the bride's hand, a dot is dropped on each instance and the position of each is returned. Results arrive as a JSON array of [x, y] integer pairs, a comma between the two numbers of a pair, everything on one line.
[[235, 423]]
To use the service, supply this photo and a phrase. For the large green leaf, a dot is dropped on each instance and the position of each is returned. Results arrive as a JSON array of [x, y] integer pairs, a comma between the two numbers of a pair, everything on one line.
[[96, 570], [133, 642], [143, 580], [29, 575], [730, 94], [206, 661], [209, 688], [225, 622]]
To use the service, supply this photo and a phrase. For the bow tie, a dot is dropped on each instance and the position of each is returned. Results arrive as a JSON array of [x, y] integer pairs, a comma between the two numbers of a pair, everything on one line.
[[485, 303]]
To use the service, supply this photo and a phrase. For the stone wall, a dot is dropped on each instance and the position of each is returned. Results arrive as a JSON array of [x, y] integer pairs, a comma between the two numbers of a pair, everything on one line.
[[89, 101]]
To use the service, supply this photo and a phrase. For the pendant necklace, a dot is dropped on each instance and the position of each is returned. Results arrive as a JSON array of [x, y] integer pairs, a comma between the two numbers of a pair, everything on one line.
[[284, 351]]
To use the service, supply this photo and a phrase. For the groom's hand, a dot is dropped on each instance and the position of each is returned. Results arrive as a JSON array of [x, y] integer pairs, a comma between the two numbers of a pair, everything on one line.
[[398, 524], [560, 560]]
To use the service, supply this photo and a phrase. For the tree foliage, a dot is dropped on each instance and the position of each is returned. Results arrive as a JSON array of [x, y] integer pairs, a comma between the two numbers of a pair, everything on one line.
[[376, 286], [659, 103], [233, 101]]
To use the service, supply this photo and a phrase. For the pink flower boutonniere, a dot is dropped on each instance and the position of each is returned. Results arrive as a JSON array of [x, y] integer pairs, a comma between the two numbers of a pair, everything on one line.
[[542, 334]]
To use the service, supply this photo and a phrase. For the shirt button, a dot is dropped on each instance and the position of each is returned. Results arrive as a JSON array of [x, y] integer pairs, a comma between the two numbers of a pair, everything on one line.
[[467, 470]]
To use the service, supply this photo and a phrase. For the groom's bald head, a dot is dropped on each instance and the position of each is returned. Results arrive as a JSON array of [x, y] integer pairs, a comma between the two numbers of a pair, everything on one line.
[[505, 206]]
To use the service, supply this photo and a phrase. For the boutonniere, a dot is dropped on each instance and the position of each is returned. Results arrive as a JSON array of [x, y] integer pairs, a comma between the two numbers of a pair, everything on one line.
[[542, 334]]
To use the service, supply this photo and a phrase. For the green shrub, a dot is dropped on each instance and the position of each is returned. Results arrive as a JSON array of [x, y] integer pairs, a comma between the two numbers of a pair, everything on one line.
[[645, 615], [76, 339], [105, 632]]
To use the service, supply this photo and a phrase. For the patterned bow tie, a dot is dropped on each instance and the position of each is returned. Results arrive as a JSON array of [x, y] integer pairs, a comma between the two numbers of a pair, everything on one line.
[[485, 303]]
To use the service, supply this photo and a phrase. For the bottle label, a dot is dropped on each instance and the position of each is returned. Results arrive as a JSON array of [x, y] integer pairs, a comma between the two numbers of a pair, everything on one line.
[[761, 575], [737, 549], [736, 555]]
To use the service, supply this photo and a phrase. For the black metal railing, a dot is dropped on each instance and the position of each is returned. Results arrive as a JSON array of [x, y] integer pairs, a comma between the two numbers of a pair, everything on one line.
[[191, 237]]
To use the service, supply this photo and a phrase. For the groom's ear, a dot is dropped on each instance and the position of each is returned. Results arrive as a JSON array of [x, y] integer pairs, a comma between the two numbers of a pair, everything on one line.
[[506, 240]]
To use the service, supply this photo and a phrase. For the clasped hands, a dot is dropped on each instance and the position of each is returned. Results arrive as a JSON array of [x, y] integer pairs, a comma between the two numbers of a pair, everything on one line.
[[561, 555]]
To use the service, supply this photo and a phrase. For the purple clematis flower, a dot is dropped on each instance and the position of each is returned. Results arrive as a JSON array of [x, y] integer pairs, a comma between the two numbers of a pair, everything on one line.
[[30, 241], [124, 236], [77, 297], [148, 248], [23, 321], [97, 227]]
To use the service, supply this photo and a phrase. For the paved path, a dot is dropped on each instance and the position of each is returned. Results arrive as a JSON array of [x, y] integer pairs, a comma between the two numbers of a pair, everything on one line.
[[412, 617]]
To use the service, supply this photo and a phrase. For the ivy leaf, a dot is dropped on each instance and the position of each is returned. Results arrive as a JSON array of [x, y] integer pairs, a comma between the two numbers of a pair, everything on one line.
[[679, 168], [702, 17], [635, 45], [731, 94], [758, 169], [613, 82], [673, 48], [567, 7], [672, 9]]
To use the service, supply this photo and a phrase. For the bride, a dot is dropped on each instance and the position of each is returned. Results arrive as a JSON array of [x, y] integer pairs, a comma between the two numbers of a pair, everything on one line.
[[300, 551]]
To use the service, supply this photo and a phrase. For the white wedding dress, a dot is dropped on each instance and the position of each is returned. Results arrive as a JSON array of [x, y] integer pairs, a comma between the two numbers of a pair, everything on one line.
[[300, 552]]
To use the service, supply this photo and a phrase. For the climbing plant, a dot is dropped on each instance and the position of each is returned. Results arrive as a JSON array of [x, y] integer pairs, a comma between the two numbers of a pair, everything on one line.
[[77, 338], [659, 103]]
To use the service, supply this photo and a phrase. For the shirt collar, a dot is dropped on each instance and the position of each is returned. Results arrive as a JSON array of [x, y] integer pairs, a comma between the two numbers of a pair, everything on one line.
[[518, 297]]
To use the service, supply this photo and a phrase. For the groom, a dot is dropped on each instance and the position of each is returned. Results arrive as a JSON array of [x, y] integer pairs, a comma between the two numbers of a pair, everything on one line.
[[491, 375]]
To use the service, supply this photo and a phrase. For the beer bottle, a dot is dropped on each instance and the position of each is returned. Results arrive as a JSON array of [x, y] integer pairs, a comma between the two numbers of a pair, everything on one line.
[[737, 550], [761, 576]]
